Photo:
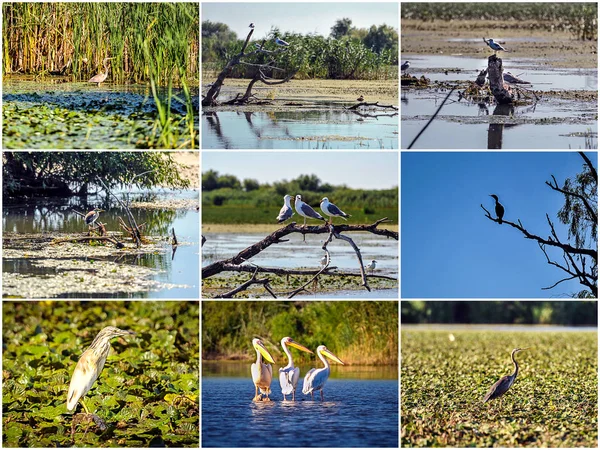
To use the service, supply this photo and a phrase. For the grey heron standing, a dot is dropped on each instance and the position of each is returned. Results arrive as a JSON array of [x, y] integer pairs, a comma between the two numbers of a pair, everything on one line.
[[102, 75], [503, 384]]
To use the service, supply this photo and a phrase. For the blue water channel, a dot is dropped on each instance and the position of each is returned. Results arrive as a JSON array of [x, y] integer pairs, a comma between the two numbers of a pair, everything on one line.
[[355, 413]]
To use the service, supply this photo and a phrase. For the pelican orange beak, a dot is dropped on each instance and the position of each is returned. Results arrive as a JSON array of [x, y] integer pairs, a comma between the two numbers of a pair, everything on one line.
[[264, 352], [331, 356], [298, 346]]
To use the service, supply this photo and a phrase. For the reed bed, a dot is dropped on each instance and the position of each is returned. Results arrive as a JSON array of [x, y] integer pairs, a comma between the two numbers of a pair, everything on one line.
[[42, 37], [150, 43]]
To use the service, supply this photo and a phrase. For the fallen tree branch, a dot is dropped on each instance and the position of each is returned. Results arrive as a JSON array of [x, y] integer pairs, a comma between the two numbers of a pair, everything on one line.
[[329, 271], [358, 105], [246, 285]]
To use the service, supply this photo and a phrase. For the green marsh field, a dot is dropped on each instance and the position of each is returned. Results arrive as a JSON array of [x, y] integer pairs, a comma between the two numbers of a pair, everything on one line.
[[446, 374]]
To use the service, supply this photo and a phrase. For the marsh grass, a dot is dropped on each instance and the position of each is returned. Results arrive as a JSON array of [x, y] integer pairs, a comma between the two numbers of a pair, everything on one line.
[[553, 402]]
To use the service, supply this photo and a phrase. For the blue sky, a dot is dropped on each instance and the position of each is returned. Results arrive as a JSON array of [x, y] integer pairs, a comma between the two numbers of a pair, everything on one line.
[[358, 170], [301, 18], [449, 249]]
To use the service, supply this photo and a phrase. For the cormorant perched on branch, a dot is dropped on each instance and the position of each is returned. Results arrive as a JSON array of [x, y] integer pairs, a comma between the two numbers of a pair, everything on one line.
[[499, 208]]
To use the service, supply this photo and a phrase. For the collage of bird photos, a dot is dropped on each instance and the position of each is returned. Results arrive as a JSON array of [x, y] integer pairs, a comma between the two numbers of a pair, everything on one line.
[[248, 223]]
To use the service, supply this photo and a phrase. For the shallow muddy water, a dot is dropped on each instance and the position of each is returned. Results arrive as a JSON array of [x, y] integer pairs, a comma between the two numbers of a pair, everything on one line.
[[549, 123], [172, 275], [541, 77], [360, 410], [299, 254], [58, 113], [325, 128]]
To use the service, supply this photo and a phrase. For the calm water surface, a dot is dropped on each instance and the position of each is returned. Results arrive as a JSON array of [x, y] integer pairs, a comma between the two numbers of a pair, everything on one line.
[[34, 216], [358, 411], [308, 129]]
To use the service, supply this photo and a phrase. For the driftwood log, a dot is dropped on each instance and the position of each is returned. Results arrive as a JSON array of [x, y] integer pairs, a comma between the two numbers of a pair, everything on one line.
[[210, 99]]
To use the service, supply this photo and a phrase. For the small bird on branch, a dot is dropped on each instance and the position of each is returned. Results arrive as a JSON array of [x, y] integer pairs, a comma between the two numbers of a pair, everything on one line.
[[306, 211], [251, 25], [331, 210], [286, 210], [499, 208], [405, 66]]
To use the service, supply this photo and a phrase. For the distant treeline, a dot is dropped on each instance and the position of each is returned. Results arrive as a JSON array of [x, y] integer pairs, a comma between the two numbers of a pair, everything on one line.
[[220, 190], [348, 53], [579, 18], [226, 199], [501, 312], [358, 332]]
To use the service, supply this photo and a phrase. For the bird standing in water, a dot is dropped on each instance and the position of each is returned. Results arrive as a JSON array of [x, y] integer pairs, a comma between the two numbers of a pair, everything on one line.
[[90, 365], [499, 208], [102, 75], [503, 384]]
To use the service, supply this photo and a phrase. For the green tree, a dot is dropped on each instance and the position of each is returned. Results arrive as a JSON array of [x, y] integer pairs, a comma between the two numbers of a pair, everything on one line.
[[210, 180], [64, 173], [381, 38], [229, 181], [341, 28], [216, 37], [251, 184]]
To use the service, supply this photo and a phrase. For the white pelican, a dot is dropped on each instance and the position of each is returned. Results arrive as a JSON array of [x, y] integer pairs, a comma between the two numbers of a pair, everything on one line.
[[262, 374], [289, 375], [315, 378]]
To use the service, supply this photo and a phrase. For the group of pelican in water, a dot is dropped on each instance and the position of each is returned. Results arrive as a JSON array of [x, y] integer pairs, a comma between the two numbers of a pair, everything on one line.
[[262, 373]]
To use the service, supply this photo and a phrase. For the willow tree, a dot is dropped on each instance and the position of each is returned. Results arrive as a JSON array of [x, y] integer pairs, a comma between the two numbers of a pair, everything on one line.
[[578, 253]]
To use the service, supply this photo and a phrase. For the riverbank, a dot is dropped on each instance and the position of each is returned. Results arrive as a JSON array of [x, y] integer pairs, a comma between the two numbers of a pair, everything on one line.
[[382, 91], [557, 49]]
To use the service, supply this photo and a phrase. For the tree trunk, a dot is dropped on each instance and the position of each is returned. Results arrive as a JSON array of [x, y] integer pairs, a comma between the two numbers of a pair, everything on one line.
[[495, 70]]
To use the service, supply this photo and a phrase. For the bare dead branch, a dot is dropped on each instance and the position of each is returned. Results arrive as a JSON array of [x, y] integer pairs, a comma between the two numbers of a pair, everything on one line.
[[265, 282], [358, 105], [566, 247], [590, 166]]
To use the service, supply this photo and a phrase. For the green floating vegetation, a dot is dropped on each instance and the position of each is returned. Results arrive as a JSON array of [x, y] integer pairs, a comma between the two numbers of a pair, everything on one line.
[[148, 392], [360, 333], [445, 375]]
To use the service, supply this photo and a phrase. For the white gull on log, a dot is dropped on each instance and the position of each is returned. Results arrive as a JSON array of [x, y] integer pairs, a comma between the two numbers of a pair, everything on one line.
[[286, 210], [306, 211], [331, 210]]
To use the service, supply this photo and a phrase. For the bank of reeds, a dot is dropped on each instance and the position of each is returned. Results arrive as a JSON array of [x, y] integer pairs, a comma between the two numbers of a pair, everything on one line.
[[360, 333], [153, 43]]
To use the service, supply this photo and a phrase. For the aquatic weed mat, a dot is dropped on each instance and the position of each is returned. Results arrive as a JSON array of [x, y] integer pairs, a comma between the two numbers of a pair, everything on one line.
[[553, 402], [147, 394], [81, 120], [70, 268]]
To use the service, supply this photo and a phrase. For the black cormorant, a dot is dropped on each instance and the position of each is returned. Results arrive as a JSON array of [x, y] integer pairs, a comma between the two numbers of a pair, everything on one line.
[[499, 208]]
